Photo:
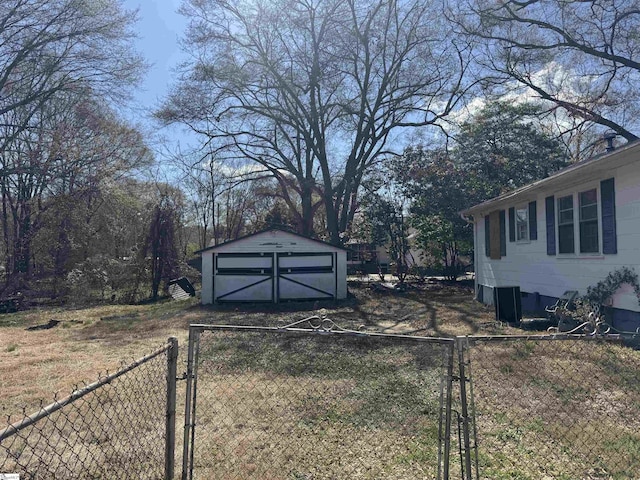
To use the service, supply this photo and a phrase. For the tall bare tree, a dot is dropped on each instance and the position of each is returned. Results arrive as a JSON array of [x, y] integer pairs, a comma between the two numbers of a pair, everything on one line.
[[57, 169], [315, 90], [61, 63], [581, 56], [50, 46]]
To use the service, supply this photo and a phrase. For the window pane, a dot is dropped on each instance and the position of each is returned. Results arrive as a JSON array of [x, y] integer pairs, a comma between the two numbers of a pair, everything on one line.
[[522, 232], [565, 216], [589, 197], [565, 203], [589, 221], [565, 210], [565, 240], [589, 237], [522, 224], [589, 212]]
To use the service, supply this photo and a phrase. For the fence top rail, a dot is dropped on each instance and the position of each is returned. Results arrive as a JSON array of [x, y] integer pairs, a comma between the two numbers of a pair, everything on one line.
[[78, 393], [540, 338], [321, 331]]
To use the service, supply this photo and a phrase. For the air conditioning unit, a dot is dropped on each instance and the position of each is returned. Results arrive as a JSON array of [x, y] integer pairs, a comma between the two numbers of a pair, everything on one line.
[[508, 304]]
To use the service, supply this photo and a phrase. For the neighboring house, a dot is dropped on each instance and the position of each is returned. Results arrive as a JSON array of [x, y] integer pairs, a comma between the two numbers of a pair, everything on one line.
[[367, 257], [565, 232], [273, 266]]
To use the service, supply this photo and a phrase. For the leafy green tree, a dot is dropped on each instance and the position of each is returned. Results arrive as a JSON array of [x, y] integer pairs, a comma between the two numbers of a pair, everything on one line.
[[502, 147], [438, 188], [497, 150]]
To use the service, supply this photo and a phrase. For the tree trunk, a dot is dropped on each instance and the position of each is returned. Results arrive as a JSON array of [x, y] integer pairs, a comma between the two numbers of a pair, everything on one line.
[[306, 227]]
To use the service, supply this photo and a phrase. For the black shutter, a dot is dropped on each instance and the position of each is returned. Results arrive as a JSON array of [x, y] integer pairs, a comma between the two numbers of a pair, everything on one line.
[[487, 235], [533, 221], [550, 210], [608, 197], [503, 234], [512, 224]]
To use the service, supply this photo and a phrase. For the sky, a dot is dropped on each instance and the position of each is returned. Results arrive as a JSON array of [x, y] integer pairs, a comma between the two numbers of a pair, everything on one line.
[[159, 28]]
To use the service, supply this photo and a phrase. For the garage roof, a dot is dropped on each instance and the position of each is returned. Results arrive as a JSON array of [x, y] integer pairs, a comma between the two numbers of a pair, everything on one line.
[[213, 247]]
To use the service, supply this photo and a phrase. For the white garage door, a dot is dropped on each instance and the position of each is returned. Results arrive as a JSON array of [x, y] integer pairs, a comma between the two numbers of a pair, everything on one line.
[[243, 277], [303, 276]]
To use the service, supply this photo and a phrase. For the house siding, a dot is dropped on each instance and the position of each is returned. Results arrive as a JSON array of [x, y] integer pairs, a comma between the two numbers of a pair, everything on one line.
[[546, 277], [206, 296]]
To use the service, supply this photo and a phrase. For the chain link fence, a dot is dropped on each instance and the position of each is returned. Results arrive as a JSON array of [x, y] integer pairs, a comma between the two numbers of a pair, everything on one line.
[[317, 404], [121, 426], [556, 407], [326, 403]]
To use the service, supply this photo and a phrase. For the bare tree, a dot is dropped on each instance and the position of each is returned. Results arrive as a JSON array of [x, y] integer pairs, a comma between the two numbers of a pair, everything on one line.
[[582, 56], [50, 46], [315, 91], [58, 168], [57, 58]]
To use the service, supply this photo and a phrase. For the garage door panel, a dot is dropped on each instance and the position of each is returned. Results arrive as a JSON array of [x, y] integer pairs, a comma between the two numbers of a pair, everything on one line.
[[306, 261], [306, 286], [238, 262], [243, 288]]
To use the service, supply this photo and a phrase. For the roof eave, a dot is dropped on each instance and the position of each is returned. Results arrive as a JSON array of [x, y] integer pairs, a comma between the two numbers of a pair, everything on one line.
[[213, 247]]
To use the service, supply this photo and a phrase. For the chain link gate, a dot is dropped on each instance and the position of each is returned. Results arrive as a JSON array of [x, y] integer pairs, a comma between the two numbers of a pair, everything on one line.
[[312, 400], [549, 406]]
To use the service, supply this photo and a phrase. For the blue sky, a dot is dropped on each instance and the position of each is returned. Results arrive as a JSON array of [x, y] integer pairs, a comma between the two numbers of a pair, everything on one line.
[[159, 29]]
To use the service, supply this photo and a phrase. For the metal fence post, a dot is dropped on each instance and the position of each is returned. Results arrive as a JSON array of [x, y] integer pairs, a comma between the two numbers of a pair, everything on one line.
[[464, 408], [170, 426], [444, 449], [194, 336]]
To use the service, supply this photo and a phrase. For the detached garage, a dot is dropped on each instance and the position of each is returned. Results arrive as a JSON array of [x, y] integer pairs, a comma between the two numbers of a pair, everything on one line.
[[273, 266]]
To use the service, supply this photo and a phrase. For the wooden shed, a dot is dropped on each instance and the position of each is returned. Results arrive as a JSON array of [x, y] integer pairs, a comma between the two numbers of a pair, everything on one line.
[[273, 266]]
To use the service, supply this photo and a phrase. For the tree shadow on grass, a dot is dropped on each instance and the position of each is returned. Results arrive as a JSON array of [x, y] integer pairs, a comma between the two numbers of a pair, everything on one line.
[[442, 309]]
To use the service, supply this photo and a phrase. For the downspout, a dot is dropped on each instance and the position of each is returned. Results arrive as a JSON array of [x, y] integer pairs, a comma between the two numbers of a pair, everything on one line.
[[470, 220]]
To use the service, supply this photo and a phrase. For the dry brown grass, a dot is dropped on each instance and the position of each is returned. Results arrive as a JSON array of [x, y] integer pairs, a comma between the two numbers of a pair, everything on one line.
[[541, 423], [565, 409], [325, 408], [36, 364]]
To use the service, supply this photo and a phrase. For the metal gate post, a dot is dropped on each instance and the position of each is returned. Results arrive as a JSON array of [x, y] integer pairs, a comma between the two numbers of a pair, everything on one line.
[[170, 423], [464, 409], [446, 398], [187, 454]]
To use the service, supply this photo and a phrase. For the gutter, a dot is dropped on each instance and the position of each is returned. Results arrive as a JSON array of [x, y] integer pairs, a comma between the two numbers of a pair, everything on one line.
[[466, 217]]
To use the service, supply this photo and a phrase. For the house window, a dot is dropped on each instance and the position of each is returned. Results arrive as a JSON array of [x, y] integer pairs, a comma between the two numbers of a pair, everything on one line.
[[565, 225], [591, 230], [589, 221], [361, 252], [522, 224]]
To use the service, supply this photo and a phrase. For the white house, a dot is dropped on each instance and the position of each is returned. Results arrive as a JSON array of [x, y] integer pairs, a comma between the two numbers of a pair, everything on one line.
[[273, 266], [565, 232]]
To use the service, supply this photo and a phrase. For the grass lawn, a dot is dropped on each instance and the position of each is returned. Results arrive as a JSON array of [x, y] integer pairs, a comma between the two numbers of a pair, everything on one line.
[[36, 364], [321, 408]]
